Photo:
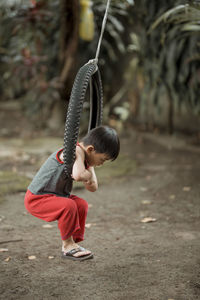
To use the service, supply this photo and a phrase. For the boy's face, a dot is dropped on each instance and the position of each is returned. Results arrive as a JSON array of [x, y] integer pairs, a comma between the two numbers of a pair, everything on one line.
[[94, 158]]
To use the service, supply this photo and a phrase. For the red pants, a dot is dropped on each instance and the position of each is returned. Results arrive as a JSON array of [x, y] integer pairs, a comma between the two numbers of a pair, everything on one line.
[[70, 212]]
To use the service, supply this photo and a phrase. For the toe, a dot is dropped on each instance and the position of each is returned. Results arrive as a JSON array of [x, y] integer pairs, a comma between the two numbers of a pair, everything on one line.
[[82, 253]]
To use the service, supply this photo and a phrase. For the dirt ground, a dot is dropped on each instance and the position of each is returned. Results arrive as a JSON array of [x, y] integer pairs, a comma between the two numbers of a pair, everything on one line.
[[158, 260]]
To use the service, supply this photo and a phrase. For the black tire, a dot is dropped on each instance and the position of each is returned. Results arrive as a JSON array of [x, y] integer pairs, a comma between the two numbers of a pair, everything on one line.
[[96, 101], [86, 74]]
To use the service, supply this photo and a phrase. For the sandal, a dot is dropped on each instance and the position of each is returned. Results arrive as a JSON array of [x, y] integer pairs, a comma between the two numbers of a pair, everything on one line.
[[70, 254]]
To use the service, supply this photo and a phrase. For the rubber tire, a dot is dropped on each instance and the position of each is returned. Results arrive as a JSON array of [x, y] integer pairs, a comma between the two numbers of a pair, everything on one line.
[[86, 74], [96, 101]]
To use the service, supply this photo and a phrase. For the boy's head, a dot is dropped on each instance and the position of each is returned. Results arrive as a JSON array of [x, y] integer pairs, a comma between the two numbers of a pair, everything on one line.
[[101, 144]]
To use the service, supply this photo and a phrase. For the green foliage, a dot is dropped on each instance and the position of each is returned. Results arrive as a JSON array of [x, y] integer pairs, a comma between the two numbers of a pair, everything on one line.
[[29, 48], [179, 63], [115, 40], [114, 50], [169, 52], [155, 41]]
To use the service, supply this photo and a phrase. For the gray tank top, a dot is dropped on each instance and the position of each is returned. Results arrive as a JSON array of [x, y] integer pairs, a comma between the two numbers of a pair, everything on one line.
[[51, 178]]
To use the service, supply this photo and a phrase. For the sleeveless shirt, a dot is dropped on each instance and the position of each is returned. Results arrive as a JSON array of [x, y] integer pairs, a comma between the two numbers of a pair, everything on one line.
[[51, 178]]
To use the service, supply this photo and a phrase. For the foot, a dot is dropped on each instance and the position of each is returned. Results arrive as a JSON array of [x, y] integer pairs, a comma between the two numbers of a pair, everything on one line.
[[78, 254], [78, 251], [69, 245]]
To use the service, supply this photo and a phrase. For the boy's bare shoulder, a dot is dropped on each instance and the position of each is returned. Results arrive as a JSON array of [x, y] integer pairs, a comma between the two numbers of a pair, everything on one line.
[[80, 151]]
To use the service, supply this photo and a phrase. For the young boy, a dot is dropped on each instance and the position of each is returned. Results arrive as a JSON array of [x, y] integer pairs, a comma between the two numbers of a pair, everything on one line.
[[48, 196]]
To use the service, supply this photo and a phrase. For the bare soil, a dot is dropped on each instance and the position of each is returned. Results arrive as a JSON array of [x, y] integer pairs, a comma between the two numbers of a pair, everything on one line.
[[158, 260]]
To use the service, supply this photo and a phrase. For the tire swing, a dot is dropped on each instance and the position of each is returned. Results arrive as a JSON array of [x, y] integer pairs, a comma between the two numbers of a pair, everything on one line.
[[87, 76]]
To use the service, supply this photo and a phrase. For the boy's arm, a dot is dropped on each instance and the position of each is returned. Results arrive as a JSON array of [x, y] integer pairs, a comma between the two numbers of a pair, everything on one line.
[[92, 184], [79, 173]]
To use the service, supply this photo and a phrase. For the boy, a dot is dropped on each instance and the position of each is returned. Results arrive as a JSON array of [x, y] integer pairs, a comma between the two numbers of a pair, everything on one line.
[[48, 196]]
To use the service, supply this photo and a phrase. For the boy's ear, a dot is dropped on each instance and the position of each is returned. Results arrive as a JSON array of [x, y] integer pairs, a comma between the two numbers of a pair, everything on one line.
[[90, 148]]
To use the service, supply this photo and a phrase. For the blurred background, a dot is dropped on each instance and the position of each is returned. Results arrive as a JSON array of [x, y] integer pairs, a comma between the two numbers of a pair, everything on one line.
[[143, 222], [149, 62]]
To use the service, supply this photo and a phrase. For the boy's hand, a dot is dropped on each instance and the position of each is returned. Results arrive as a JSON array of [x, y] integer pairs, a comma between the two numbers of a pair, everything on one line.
[[92, 184], [79, 172]]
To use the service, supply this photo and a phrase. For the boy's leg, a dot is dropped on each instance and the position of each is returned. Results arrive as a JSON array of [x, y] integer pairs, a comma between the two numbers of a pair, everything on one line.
[[82, 207], [78, 236], [50, 207]]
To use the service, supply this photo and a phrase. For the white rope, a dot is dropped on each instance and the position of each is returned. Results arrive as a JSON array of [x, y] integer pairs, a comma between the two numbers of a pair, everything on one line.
[[102, 30]]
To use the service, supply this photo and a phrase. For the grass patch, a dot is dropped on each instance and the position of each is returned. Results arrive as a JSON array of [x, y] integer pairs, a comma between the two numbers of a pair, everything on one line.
[[11, 182]]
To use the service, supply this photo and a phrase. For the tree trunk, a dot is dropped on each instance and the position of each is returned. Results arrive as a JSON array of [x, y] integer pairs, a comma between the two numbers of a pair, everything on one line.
[[68, 43], [170, 110], [69, 30]]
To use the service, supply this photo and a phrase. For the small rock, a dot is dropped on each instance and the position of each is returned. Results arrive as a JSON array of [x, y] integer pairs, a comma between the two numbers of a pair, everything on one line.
[[89, 225]]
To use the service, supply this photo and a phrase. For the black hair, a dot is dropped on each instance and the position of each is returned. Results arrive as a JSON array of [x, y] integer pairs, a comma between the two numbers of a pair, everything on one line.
[[104, 140]]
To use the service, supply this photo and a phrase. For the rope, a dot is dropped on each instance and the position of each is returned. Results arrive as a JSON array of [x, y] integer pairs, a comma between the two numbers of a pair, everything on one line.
[[102, 30], [95, 60]]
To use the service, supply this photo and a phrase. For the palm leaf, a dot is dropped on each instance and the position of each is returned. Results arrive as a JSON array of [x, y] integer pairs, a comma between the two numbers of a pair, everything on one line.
[[190, 27], [167, 14]]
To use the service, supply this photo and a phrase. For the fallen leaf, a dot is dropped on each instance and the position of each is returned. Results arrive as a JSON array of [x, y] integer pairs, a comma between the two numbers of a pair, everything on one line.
[[186, 188], [50, 257], [148, 220], [1, 218], [7, 259], [31, 257], [47, 226], [143, 189], [90, 205], [146, 202], [172, 197], [3, 249]]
